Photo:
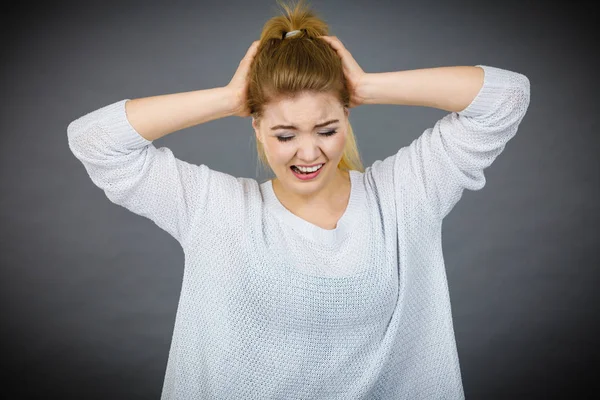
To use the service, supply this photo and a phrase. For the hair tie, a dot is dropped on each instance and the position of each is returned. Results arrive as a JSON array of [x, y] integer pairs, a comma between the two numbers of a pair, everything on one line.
[[291, 33]]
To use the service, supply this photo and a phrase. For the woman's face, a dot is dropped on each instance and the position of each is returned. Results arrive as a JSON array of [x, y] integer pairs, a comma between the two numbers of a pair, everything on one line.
[[291, 136]]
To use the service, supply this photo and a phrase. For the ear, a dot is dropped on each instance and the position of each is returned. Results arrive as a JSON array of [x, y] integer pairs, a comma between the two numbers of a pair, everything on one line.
[[256, 129]]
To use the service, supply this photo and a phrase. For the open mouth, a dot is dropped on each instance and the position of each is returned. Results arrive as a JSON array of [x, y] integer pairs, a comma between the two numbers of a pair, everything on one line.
[[304, 175]]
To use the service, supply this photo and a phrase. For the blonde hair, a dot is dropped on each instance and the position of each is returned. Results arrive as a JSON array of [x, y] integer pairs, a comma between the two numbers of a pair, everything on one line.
[[284, 67]]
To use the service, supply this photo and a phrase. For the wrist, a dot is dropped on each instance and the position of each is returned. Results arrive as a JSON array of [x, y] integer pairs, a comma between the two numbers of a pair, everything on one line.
[[230, 100], [237, 101], [367, 89]]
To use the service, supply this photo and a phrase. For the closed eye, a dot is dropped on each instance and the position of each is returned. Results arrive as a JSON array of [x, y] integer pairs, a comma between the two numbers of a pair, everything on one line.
[[288, 138]]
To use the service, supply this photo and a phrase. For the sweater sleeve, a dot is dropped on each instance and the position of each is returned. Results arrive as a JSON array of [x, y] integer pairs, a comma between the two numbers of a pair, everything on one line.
[[453, 155], [133, 173]]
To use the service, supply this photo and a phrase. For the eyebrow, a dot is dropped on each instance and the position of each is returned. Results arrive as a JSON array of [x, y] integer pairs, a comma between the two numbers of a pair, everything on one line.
[[295, 128]]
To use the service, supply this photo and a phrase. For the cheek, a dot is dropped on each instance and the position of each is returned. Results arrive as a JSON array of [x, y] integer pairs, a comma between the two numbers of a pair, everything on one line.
[[280, 154], [338, 143]]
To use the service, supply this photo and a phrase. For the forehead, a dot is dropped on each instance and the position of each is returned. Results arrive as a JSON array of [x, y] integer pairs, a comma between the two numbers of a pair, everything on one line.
[[306, 107]]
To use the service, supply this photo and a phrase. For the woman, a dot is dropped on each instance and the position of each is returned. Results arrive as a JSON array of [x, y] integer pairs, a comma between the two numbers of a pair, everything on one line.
[[328, 281]]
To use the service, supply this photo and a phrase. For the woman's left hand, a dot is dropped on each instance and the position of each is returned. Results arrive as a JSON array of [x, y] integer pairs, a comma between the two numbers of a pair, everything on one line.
[[353, 72]]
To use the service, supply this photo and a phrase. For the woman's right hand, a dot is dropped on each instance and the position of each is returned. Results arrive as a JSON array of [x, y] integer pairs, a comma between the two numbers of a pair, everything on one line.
[[238, 85]]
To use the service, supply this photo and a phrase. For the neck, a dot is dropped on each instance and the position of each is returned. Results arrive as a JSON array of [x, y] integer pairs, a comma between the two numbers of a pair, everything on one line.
[[329, 197]]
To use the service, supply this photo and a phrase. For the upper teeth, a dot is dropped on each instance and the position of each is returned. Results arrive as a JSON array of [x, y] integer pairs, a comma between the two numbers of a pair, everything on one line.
[[309, 169]]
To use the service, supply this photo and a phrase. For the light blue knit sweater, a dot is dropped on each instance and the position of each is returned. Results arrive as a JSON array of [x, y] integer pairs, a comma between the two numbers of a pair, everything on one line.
[[274, 307]]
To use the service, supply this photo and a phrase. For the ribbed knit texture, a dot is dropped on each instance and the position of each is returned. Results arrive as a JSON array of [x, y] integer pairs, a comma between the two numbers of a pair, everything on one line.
[[274, 307]]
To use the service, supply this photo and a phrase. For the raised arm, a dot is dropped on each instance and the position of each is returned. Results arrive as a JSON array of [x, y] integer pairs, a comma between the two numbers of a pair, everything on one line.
[[486, 106], [114, 143], [157, 116], [446, 88]]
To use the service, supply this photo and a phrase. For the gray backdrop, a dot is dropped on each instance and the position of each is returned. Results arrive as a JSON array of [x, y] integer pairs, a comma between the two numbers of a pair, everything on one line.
[[89, 290]]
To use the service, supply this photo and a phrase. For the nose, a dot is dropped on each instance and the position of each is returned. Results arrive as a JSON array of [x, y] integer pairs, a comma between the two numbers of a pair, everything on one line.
[[308, 150]]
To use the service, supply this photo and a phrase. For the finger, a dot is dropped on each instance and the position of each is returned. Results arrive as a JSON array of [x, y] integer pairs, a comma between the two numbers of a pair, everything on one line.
[[335, 42], [337, 45], [252, 49], [344, 54]]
